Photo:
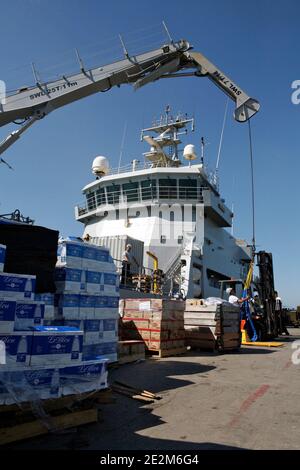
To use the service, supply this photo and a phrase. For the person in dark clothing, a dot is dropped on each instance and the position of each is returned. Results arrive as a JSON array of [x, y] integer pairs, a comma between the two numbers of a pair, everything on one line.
[[280, 315]]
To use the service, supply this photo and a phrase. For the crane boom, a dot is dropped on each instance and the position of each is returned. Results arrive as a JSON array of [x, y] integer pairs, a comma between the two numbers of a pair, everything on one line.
[[35, 102]]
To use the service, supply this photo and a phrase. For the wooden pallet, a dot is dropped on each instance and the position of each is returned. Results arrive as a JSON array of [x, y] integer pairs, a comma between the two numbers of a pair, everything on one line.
[[159, 353], [17, 424]]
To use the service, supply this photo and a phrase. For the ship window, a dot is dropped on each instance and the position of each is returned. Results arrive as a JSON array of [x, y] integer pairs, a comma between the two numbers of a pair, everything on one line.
[[113, 194], [188, 188], [148, 188], [91, 201], [130, 190], [163, 239], [215, 277], [100, 196], [167, 188], [180, 240]]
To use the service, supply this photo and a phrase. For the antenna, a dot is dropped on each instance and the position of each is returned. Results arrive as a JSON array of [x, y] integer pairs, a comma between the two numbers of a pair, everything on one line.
[[124, 47], [79, 61], [122, 145], [202, 150]]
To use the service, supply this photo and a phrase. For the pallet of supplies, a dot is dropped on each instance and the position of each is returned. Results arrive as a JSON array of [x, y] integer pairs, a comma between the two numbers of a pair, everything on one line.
[[212, 325], [159, 323]]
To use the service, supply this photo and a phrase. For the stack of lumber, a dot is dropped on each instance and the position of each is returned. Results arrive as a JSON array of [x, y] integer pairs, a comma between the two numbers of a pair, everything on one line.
[[131, 351], [213, 327], [157, 322]]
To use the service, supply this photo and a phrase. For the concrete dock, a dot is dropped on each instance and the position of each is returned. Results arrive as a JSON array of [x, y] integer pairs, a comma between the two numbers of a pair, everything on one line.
[[245, 400]]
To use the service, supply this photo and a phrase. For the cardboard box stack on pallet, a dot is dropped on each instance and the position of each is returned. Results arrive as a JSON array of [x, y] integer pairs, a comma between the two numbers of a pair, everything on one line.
[[40, 359], [87, 297], [213, 326], [159, 323]]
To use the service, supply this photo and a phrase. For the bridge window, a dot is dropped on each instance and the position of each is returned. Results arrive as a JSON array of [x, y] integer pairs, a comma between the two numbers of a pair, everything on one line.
[[113, 194], [91, 201], [188, 188], [100, 196], [168, 188], [130, 190], [148, 189]]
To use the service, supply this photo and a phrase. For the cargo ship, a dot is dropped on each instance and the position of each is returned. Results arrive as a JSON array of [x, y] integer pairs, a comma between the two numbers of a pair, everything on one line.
[[168, 206]]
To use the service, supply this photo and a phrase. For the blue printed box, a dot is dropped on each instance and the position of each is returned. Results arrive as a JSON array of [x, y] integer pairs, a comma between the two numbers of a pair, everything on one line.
[[110, 329], [92, 352], [29, 313], [69, 279], [7, 315], [2, 257], [69, 254], [92, 329], [48, 300], [18, 286], [109, 283], [68, 305], [17, 348], [93, 282], [86, 305], [106, 306], [56, 344]]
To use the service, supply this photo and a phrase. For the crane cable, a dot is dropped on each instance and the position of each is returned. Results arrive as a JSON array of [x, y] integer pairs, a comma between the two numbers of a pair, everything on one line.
[[249, 277]]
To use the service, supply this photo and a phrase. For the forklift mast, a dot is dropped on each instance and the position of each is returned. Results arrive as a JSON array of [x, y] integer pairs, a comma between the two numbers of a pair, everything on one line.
[[267, 290]]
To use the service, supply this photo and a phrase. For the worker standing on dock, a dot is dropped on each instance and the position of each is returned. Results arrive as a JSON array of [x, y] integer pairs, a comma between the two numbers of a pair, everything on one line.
[[280, 315]]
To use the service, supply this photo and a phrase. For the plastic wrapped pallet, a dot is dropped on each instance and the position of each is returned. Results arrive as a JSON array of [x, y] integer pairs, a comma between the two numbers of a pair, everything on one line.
[[2, 257], [34, 383]]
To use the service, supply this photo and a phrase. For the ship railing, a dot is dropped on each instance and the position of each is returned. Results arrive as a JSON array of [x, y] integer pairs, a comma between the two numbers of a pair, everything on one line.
[[141, 195]]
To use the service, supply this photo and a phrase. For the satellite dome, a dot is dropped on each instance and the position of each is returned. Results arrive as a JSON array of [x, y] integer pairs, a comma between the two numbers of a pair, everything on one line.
[[189, 152], [100, 166]]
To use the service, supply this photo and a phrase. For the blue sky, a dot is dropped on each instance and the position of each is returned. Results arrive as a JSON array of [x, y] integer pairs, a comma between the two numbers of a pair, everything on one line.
[[255, 43]]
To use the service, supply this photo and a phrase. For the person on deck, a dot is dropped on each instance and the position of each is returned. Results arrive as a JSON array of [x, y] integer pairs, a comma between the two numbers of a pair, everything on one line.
[[127, 259]]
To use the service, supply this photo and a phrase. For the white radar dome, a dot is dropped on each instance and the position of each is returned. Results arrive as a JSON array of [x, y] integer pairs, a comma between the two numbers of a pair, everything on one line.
[[100, 166], [189, 152]]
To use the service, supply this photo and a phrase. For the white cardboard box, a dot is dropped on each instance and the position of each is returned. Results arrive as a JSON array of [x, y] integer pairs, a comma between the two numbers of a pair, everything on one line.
[[56, 345], [18, 286], [7, 315], [18, 345], [29, 313]]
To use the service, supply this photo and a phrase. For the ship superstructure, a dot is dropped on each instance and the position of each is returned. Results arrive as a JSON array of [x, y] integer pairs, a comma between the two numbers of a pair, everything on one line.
[[175, 209]]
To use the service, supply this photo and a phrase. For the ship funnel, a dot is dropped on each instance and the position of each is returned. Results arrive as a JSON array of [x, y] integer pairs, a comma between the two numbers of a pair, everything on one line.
[[100, 166], [189, 152]]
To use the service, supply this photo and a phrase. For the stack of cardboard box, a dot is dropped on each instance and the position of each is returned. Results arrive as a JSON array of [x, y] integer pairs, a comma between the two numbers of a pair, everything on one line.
[[159, 323]]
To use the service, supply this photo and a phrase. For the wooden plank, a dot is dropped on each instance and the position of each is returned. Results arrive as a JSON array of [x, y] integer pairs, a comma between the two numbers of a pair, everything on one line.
[[37, 428], [167, 352]]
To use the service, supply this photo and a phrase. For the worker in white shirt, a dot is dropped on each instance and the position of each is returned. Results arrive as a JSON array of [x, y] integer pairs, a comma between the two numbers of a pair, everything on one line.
[[127, 259], [233, 299]]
